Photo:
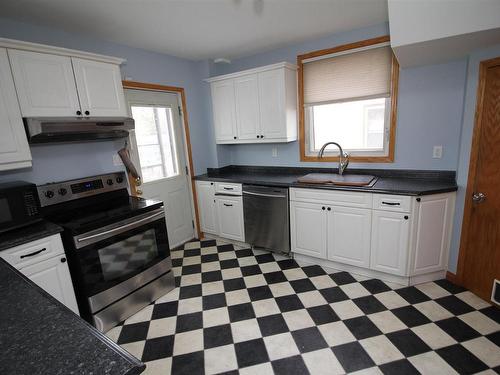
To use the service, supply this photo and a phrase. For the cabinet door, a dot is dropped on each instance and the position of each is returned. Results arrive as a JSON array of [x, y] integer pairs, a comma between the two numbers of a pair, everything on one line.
[[223, 101], [99, 88], [246, 91], [308, 229], [206, 204], [14, 149], [433, 220], [52, 275], [45, 84], [349, 235], [230, 216], [389, 249], [272, 102]]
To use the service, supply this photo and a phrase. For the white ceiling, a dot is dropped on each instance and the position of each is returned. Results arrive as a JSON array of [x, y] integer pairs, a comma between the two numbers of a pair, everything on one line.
[[200, 29]]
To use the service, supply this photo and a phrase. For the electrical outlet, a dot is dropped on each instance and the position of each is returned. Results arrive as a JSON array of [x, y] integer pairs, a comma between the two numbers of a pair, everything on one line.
[[437, 152], [275, 152], [117, 160]]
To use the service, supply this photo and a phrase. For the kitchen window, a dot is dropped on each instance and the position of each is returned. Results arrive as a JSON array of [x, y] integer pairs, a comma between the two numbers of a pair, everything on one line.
[[348, 94]]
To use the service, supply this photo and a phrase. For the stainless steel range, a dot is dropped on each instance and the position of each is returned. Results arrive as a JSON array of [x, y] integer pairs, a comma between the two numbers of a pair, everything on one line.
[[116, 245]]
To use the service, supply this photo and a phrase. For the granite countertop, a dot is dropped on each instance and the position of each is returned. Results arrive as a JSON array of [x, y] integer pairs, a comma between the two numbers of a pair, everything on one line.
[[39, 335], [406, 182], [32, 232]]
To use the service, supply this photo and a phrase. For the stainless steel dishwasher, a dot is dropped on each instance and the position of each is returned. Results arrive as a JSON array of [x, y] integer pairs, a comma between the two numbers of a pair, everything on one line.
[[266, 214]]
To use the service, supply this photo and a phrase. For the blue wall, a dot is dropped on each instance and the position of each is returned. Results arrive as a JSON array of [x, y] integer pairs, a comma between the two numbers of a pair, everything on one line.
[[144, 66], [429, 109]]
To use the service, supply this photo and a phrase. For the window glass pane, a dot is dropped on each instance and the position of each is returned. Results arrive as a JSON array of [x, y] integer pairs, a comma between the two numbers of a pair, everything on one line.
[[155, 141], [356, 125]]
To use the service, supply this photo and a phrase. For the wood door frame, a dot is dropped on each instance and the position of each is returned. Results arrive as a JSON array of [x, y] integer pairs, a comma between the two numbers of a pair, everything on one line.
[[180, 92], [473, 164]]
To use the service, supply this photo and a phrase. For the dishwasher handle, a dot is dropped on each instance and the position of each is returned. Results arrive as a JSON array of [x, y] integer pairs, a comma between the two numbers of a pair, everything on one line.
[[264, 195]]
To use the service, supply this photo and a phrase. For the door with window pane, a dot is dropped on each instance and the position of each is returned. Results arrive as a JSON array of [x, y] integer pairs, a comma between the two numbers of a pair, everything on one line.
[[157, 147]]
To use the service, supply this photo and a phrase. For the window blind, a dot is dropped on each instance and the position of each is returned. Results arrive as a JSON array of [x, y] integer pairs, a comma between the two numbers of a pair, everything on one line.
[[348, 77]]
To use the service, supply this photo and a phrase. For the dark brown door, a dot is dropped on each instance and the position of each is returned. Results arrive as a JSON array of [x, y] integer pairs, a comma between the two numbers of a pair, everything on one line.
[[480, 251]]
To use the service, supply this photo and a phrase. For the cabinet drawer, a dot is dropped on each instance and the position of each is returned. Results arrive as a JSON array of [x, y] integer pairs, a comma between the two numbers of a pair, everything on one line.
[[337, 198], [33, 252], [228, 188], [400, 203]]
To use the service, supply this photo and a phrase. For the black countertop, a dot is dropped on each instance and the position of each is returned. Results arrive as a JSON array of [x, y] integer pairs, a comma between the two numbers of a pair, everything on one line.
[[405, 182], [39, 335], [32, 232]]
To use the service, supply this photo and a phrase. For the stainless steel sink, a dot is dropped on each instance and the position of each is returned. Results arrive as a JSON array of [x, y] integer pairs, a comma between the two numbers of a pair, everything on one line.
[[337, 179]]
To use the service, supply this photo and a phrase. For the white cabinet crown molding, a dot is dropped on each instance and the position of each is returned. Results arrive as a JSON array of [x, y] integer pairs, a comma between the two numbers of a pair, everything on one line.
[[252, 71], [43, 48]]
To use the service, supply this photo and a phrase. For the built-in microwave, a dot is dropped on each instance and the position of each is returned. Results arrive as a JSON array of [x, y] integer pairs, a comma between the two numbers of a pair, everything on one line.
[[19, 205]]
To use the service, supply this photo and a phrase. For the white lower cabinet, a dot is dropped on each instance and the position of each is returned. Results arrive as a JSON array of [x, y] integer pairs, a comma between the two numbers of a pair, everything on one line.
[[44, 262], [230, 217], [308, 229], [389, 242], [207, 207], [349, 235]]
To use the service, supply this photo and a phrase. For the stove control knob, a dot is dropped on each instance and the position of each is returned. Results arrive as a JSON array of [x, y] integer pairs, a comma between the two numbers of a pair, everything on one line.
[[49, 194], [119, 180], [109, 181], [62, 191]]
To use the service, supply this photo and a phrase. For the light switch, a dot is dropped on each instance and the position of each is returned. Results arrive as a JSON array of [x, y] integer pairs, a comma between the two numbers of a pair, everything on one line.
[[275, 152], [437, 152]]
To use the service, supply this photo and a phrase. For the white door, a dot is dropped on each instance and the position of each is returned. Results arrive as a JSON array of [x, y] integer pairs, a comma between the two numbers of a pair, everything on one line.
[[158, 148], [349, 231], [272, 101], [389, 248], [45, 84], [205, 190], [52, 275], [14, 149], [308, 229], [230, 217], [246, 91], [99, 88], [223, 102]]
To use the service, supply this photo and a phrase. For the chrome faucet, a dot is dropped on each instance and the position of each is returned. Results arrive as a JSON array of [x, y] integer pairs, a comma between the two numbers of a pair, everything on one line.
[[343, 156]]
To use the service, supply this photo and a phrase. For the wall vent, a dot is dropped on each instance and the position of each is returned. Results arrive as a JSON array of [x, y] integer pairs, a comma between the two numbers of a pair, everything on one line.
[[495, 293]]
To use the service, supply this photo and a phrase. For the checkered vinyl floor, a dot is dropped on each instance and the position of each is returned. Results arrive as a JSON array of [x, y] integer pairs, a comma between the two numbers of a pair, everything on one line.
[[252, 312]]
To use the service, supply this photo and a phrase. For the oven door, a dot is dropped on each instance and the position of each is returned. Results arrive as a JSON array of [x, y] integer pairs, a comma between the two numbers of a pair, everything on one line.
[[116, 260]]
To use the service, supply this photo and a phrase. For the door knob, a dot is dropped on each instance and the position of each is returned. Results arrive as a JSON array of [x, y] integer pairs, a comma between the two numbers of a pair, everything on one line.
[[478, 197]]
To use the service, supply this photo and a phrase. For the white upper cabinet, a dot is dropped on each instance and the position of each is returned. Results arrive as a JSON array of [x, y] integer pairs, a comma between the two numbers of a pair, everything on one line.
[[246, 91], [99, 88], [223, 101], [45, 84], [256, 106], [14, 149]]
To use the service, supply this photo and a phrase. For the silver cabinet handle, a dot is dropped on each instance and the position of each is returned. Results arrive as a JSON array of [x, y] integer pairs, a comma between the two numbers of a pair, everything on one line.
[[478, 197], [228, 205]]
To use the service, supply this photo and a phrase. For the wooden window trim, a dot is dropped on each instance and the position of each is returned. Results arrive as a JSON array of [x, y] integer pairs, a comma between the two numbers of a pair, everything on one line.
[[394, 102]]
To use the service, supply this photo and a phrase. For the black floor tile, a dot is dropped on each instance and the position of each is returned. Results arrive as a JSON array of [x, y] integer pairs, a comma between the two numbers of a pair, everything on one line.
[[494, 338], [287, 264], [208, 243], [454, 305], [290, 366], [239, 312], [369, 304], [133, 332], [190, 291], [352, 356], [408, 343], [309, 339], [322, 314], [450, 287], [275, 277], [250, 270], [234, 284], [157, 348], [289, 303], [189, 364], [259, 293], [272, 325], [492, 313], [410, 316], [362, 327], [333, 294], [403, 366], [229, 263], [209, 258], [207, 277], [249, 353], [375, 286], [244, 253], [463, 361], [189, 322], [192, 269], [342, 278], [302, 285], [412, 295], [214, 301], [314, 270], [217, 336], [164, 310], [457, 329], [264, 258], [177, 262], [225, 248], [191, 253]]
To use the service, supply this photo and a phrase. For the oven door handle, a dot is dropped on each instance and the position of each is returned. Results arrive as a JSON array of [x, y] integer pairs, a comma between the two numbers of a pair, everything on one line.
[[122, 228]]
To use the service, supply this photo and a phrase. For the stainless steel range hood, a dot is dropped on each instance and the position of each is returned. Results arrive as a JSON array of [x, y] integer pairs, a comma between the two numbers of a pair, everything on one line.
[[76, 129]]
